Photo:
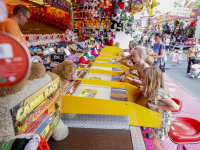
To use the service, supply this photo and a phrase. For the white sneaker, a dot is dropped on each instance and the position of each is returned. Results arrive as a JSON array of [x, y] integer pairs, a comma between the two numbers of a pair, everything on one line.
[[198, 77], [192, 76], [188, 73]]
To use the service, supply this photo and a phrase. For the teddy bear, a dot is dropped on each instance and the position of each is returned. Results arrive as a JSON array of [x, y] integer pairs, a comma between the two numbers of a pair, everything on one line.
[[115, 24], [35, 80]]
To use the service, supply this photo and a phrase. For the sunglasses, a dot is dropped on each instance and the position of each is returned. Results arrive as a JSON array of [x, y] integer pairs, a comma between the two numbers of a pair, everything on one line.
[[26, 17]]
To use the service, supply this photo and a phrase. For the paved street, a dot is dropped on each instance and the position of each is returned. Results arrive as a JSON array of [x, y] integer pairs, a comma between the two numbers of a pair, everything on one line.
[[178, 75]]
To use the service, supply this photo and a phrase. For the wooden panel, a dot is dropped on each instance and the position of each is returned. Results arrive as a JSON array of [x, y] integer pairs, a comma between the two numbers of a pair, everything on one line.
[[39, 27], [94, 139]]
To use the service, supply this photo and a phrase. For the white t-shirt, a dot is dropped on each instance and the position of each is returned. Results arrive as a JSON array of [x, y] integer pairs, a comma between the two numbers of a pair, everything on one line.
[[196, 66], [152, 42], [198, 53], [167, 42]]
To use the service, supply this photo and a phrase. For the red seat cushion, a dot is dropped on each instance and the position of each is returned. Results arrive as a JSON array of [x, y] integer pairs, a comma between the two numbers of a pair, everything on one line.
[[179, 103], [185, 130]]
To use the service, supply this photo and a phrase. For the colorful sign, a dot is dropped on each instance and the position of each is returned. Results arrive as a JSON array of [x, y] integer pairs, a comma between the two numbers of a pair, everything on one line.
[[180, 12], [194, 13], [89, 93], [189, 42], [39, 113], [144, 22], [94, 78], [14, 60]]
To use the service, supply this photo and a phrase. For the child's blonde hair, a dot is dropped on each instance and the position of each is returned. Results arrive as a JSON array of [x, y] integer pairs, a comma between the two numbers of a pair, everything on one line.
[[141, 51], [149, 60], [176, 51], [133, 43], [142, 63], [154, 81], [117, 44], [149, 51]]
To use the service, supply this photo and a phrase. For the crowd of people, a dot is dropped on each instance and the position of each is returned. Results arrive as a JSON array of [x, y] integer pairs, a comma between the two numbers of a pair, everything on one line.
[[145, 66], [166, 45], [144, 61]]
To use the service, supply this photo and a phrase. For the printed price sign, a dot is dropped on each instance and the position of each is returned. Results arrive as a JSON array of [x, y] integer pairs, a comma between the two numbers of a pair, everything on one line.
[[6, 51], [14, 60]]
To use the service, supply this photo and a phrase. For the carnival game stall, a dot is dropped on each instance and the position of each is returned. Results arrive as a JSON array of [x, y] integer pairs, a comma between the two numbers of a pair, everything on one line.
[[73, 88]]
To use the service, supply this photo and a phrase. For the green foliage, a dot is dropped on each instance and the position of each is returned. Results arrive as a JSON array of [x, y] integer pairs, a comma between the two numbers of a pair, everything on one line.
[[124, 17], [197, 5], [131, 19], [177, 4]]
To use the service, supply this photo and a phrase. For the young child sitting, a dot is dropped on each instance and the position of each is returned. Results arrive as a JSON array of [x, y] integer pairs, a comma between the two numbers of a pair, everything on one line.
[[151, 53], [195, 70], [149, 60], [140, 66], [158, 99], [129, 59], [131, 45], [137, 54]]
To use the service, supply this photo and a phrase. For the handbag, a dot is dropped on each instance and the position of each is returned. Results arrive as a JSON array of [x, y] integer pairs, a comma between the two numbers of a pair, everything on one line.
[[162, 67], [164, 59]]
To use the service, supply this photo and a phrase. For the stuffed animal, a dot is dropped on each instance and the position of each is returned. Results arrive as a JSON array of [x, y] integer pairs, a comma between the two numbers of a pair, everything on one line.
[[155, 3], [36, 79], [115, 23], [155, 54], [119, 6], [150, 10], [65, 70]]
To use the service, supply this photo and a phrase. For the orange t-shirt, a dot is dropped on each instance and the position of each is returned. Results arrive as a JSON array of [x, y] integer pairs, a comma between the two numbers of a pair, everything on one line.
[[9, 26]]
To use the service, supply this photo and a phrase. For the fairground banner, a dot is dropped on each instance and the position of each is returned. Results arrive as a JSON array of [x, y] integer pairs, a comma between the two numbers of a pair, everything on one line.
[[39, 113]]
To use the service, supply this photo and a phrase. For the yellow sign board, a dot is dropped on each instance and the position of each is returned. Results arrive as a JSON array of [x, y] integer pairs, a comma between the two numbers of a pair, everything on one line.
[[39, 113], [94, 78]]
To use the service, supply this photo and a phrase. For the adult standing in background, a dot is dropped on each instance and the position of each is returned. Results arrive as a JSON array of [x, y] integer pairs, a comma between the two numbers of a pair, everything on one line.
[[192, 52], [173, 42], [178, 39], [198, 49], [20, 16], [158, 48], [167, 42], [152, 42]]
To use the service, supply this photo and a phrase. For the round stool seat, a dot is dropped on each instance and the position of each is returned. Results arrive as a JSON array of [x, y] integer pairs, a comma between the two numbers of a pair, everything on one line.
[[179, 103], [185, 130]]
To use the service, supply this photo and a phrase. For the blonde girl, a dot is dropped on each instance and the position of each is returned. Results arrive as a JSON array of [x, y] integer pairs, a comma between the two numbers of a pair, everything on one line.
[[140, 66], [131, 45], [158, 99], [149, 60], [138, 54], [129, 59]]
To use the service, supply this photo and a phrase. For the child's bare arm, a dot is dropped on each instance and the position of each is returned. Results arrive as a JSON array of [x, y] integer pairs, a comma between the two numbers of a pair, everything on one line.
[[120, 59], [170, 105], [193, 69]]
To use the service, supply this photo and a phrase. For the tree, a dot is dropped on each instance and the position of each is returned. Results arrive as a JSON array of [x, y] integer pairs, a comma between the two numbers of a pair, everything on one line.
[[177, 4], [197, 5]]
